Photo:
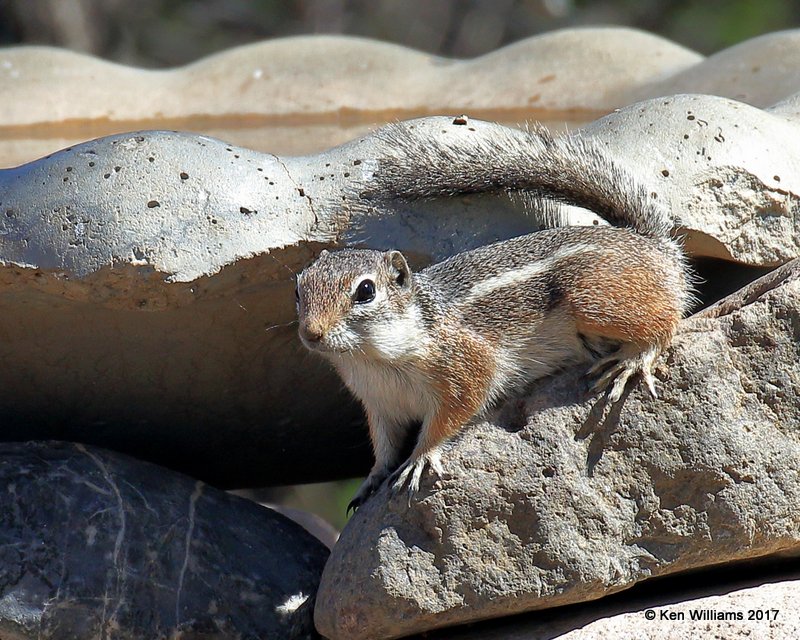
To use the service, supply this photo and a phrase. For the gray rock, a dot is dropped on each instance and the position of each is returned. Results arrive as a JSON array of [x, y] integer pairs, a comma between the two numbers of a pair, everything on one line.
[[556, 499], [146, 287], [146, 300], [94, 544]]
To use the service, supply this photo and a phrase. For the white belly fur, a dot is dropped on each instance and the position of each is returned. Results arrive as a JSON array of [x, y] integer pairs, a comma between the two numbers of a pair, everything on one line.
[[399, 394]]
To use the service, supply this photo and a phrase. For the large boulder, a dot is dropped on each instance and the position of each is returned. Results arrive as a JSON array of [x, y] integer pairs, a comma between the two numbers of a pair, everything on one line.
[[94, 544], [557, 498], [721, 167]]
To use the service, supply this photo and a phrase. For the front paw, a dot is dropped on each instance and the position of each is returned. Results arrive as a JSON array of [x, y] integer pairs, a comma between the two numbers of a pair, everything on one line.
[[365, 491], [411, 471]]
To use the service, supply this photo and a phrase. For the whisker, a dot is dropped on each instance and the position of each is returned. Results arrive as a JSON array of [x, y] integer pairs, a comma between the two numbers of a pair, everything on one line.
[[275, 326], [294, 275]]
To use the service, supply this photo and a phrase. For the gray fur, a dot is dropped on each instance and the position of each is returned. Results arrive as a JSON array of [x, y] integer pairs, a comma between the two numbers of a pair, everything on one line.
[[569, 169]]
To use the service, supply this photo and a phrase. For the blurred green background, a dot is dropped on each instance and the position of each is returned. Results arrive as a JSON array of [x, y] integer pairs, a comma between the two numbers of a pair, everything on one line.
[[163, 33], [159, 33]]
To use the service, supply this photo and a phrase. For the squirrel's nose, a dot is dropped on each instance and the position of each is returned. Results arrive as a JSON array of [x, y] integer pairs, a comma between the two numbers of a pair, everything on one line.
[[311, 334]]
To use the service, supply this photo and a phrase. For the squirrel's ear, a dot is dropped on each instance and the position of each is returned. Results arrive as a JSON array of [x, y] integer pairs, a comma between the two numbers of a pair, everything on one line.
[[398, 264]]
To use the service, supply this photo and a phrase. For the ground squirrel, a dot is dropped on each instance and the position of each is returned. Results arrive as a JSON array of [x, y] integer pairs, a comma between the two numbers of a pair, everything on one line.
[[440, 346]]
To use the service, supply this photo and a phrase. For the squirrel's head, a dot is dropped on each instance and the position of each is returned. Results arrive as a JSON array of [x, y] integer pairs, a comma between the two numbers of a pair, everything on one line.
[[356, 301]]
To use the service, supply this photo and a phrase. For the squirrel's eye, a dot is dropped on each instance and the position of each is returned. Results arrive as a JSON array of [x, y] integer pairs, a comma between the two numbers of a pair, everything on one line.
[[365, 291]]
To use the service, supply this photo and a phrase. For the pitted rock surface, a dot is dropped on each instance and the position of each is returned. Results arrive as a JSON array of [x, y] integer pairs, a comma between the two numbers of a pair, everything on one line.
[[147, 288], [558, 499], [95, 544], [722, 168]]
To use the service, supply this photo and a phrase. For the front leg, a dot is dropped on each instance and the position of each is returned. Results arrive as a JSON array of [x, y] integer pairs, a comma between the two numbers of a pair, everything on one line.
[[461, 386], [435, 431], [411, 470], [387, 442]]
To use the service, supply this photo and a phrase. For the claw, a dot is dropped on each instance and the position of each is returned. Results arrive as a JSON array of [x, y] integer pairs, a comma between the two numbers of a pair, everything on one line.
[[365, 491], [397, 479], [601, 366], [411, 472], [620, 366], [353, 506]]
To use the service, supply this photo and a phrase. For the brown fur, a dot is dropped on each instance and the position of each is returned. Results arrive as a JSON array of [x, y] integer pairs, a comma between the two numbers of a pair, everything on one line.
[[462, 378], [628, 300]]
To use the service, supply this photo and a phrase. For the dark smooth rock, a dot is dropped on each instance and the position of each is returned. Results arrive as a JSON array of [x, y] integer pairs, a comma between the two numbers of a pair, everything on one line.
[[94, 544]]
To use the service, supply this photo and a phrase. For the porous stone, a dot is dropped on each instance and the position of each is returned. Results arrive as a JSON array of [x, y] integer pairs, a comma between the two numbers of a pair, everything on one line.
[[97, 545], [146, 296], [728, 171], [558, 499]]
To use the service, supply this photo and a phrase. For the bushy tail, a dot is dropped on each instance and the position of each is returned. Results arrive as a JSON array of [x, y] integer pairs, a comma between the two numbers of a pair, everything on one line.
[[484, 158]]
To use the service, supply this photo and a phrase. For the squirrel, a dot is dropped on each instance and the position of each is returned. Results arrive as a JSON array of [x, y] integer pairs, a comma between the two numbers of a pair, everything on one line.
[[441, 346]]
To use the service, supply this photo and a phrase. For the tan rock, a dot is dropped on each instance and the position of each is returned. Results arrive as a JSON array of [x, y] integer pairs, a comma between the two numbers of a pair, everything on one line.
[[272, 79], [258, 95], [752, 601], [766, 612], [305, 94], [760, 71]]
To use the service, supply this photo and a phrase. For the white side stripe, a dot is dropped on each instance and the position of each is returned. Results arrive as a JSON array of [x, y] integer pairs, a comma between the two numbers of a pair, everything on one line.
[[522, 274]]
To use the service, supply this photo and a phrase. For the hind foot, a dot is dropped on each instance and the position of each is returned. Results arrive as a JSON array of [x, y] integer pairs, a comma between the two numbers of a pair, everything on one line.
[[617, 369]]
